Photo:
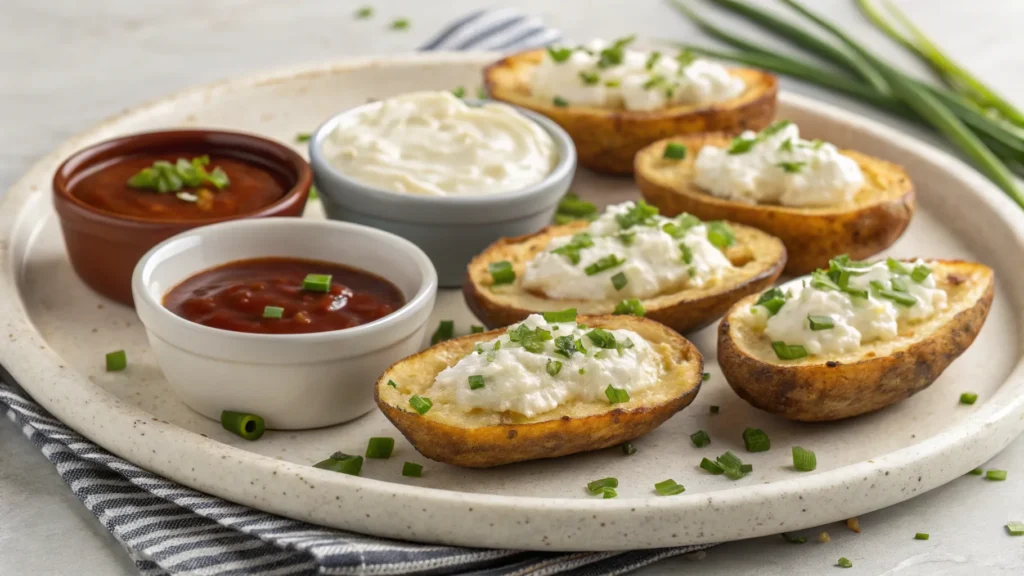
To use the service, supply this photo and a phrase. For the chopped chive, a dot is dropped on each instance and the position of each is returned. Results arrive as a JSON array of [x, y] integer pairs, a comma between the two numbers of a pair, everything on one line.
[[559, 54], [712, 467], [459, 92], [669, 488], [313, 194], [794, 539], [632, 307], [791, 167], [597, 486], [392, 384], [921, 536], [686, 253], [553, 367], [604, 263], [560, 102], [501, 272], [920, 273], [476, 381], [804, 460], [564, 346], [1015, 528], [116, 361], [273, 312], [715, 409], [602, 338], [317, 282], [481, 93], [897, 267], [720, 234], [674, 151], [607, 493], [705, 376], [343, 463], [820, 322], [968, 398], [789, 351], [901, 298], [248, 426], [652, 59], [567, 315], [474, 329], [412, 469], [420, 404], [619, 281], [700, 438], [732, 466], [445, 331], [741, 145], [589, 78], [844, 563], [400, 24], [613, 83], [998, 475], [616, 395], [380, 447], [628, 449], [364, 12], [773, 300], [756, 440], [303, 137], [899, 284], [976, 472]]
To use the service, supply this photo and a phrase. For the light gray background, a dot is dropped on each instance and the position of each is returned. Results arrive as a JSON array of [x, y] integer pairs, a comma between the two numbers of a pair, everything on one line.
[[67, 64]]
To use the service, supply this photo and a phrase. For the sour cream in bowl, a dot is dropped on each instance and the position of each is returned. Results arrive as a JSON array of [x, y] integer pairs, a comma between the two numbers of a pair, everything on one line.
[[449, 175]]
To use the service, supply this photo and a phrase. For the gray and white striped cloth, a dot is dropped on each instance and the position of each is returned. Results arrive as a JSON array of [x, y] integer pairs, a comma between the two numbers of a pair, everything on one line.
[[168, 528]]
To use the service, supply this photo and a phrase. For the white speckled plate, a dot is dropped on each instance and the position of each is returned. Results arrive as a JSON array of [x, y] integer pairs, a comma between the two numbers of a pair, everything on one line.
[[58, 331]]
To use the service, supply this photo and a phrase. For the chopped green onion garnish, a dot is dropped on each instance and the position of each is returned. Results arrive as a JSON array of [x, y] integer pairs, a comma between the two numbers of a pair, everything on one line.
[[612, 56], [968, 398], [619, 281], [715, 409], [920, 273], [571, 205], [392, 384], [720, 234], [920, 536], [897, 267], [165, 177], [572, 249], [616, 395], [732, 466], [313, 194], [364, 12], [459, 92], [756, 440], [474, 329], [476, 381], [640, 214], [559, 54], [554, 367], [445, 331], [117, 361], [700, 438], [567, 315], [899, 284], [303, 137], [399, 24], [1015, 528], [273, 312], [589, 78], [674, 151], [628, 449], [420, 404], [774, 128], [976, 472], [564, 346], [560, 102], [248, 426], [613, 83], [794, 539], [602, 338], [631, 306], [789, 352], [820, 322], [626, 238], [597, 486], [791, 167], [604, 263], [773, 300], [901, 298], [317, 282], [343, 463], [844, 563], [608, 493], [705, 376], [652, 59], [668, 488], [804, 460], [531, 340], [711, 467], [741, 145], [501, 272], [380, 447], [995, 475], [412, 469]]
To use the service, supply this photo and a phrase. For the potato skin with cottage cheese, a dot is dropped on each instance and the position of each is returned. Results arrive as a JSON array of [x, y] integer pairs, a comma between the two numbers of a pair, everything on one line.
[[877, 217], [607, 138], [481, 439], [823, 388]]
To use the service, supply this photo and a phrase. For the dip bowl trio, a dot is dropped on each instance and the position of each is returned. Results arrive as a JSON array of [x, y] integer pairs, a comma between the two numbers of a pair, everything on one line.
[[263, 322]]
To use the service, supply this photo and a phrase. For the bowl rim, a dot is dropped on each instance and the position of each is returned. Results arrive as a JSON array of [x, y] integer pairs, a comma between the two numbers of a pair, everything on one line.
[[215, 139], [193, 239], [564, 168]]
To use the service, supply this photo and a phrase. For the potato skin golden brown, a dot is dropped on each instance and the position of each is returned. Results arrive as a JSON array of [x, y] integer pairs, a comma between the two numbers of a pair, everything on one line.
[[607, 139], [877, 218], [823, 390]]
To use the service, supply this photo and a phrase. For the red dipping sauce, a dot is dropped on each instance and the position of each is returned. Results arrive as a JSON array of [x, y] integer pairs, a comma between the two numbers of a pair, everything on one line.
[[234, 296]]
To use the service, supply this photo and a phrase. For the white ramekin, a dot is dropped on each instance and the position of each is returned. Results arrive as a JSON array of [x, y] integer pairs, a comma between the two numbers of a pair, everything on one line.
[[293, 381]]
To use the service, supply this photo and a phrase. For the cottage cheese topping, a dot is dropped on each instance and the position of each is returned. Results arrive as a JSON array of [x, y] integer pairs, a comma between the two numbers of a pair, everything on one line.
[[778, 167], [652, 253], [609, 75], [435, 144], [521, 376], [889, 292]]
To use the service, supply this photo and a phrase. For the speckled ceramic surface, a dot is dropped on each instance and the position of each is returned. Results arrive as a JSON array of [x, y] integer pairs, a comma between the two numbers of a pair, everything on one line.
[[57, 332]]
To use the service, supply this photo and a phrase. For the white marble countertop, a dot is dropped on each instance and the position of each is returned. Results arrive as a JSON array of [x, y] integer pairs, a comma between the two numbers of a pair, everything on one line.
[[68, 64]]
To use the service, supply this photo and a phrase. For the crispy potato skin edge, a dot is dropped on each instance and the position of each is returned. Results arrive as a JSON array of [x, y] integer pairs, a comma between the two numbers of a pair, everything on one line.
[[607, 142], [833, 391], [489, 446]]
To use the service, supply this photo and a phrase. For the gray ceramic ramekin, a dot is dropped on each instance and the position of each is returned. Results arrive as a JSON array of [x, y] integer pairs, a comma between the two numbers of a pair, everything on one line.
[[450, 230]]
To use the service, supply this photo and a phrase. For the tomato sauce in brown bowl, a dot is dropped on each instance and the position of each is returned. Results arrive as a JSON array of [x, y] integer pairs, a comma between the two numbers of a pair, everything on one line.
[[119, 198]]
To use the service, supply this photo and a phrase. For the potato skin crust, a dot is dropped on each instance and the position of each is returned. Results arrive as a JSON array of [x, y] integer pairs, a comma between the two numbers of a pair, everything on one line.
[[812, 235], [834, 390], [683, 315], [607, 139], [495, 445]]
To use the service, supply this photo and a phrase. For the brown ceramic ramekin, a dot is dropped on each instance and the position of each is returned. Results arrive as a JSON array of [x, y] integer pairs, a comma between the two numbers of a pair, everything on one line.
[[104, 247]]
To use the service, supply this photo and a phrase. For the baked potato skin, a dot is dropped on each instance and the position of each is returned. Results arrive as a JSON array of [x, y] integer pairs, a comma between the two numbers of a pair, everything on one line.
[[496, 445], [812, 235], [834, 390], [683, 317], [607, 139]]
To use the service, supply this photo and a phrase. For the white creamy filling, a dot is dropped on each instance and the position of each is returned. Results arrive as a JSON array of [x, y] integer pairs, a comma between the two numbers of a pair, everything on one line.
[[856, 321], [608, 75], [778, 168], [435, 144], [519, 380], [653, 260]]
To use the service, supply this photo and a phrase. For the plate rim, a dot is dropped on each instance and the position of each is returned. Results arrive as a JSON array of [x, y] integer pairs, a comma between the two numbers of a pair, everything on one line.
[[31, 348]]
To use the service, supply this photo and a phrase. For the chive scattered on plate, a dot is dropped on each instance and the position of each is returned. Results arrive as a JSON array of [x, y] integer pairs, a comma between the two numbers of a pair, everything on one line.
[[303, 137], [976, 472], [317, 282], [628, 449], [1015, 528], [968, 398], [921, 536], [380, 447], [844, 563], [364, 12], [420, 404], [705, 377], [998, 475], [794, 539], [445, 331], [804, 460], [400, 24], [273, 312], [755, 440], [714, 409], [501, 272], [248, 426], [700, 438], [412, 469], [560, 102], [343, 463], [711, 466], [669, 488], [597, 486], [674, 151], [117, 361]]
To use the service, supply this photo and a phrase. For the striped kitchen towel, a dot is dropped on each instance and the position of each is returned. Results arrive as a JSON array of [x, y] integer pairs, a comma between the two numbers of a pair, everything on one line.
[[168, 528]]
